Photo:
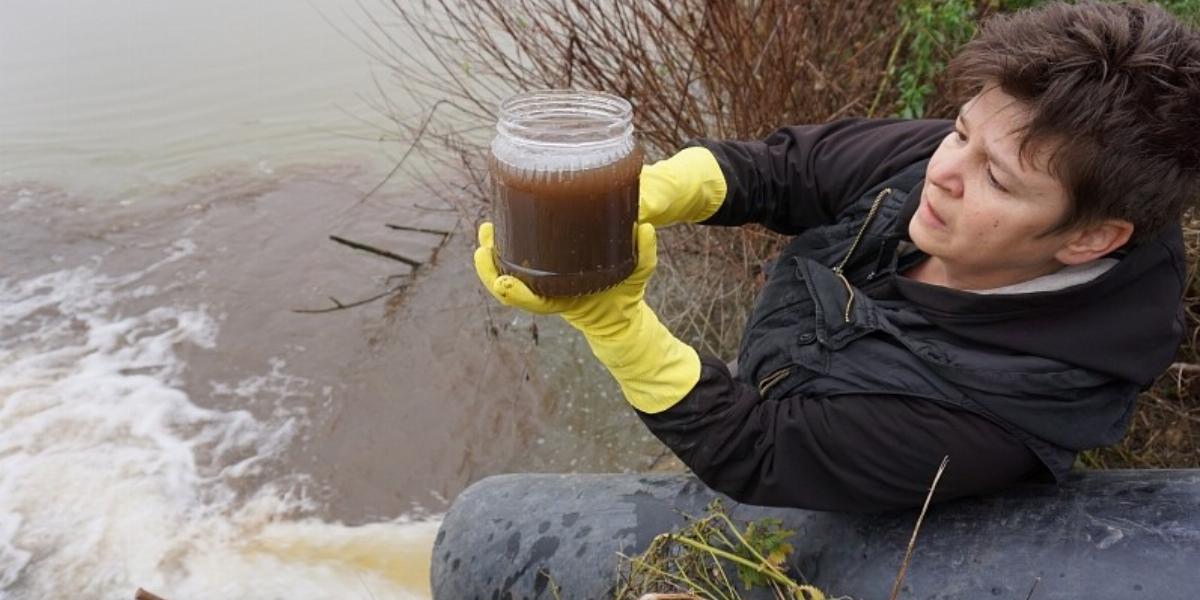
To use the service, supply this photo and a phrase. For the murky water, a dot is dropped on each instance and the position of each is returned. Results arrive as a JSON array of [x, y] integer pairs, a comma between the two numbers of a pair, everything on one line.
[[173, 415]]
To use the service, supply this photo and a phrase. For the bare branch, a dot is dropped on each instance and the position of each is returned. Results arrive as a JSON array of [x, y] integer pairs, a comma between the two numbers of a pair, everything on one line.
[[377, 251]]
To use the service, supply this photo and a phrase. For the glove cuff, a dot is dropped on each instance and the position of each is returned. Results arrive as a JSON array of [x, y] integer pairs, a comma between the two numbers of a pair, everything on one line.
[[694, 182], [654, 368]]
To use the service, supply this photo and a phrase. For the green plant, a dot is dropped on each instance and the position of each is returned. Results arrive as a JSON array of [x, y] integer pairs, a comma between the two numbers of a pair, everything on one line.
[[765, 538], [697, 559], [1187, 10], [935, 30]]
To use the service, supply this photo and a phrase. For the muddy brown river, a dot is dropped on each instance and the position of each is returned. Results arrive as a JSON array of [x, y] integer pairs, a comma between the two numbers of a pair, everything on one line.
[[179, 410]]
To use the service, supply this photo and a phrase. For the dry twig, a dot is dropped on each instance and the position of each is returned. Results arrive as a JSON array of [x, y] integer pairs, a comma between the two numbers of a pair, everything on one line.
[[377, 251], [916, 529], [1033, 589]]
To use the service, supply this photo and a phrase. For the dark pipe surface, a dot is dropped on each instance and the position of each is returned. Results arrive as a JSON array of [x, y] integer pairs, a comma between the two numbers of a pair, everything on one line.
[[1100, 535]]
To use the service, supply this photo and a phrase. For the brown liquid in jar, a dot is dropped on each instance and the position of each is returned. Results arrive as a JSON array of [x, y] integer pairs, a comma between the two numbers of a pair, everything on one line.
[[567, 233]]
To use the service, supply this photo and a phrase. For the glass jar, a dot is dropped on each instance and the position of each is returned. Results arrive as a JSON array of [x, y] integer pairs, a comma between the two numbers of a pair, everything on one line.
[[564, 169]]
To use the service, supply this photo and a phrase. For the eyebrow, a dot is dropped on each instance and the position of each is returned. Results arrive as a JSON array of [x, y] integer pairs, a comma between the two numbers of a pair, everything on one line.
[[1008, 170]]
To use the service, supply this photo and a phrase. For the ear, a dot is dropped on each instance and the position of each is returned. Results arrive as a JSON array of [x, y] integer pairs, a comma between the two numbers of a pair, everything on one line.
[[1094, 241]]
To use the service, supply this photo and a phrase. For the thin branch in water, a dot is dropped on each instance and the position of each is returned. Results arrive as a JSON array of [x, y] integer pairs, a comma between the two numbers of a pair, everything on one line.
[[658, 460], [364, 586], [433, 208], [417, 229], [377, 251], [338, 305]]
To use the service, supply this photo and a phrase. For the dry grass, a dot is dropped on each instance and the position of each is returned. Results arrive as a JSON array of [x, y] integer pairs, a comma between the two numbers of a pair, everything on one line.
[[714, 556]]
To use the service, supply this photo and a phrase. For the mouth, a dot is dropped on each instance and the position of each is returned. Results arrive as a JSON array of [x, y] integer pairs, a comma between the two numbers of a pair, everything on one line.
[[929, 215]]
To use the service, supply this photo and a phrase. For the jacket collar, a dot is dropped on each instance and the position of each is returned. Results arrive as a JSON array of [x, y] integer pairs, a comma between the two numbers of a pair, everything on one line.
[[1126, 323]]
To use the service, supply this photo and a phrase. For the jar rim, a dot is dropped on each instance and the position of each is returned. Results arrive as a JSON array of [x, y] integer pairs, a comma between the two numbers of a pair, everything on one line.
[[565, 118]]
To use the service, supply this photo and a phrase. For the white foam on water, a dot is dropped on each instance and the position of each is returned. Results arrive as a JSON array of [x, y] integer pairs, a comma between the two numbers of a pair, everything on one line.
[[111, 478]]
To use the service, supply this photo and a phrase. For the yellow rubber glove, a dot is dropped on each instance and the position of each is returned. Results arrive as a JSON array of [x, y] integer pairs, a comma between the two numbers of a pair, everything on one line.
[[686, 188], [655, 369]]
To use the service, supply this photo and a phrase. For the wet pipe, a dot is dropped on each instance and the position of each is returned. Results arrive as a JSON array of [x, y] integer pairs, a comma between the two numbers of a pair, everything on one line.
[[1102, 534]]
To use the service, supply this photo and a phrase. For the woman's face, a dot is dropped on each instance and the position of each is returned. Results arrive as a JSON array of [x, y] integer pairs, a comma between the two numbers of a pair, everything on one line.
[[984, 212]]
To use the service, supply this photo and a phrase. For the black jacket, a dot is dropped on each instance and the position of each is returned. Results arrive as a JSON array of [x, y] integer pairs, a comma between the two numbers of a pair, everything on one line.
[[854, 381]]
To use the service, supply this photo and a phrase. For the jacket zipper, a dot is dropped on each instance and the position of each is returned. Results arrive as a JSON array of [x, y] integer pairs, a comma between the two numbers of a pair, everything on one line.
[[776, 376], [770, 380], [840, 268]]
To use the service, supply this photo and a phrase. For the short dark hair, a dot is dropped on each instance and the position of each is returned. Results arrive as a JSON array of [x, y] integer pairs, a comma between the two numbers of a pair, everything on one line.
[[1114, 89]]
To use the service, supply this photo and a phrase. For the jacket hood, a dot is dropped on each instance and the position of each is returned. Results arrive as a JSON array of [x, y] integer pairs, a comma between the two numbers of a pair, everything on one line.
[[1126, 323]]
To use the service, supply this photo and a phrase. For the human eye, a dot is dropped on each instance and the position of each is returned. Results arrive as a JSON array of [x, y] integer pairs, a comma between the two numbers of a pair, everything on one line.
[[959, 136], [993, 181]]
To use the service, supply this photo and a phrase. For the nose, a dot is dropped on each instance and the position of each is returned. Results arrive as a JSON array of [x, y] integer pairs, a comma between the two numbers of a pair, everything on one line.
[[945, 170]]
